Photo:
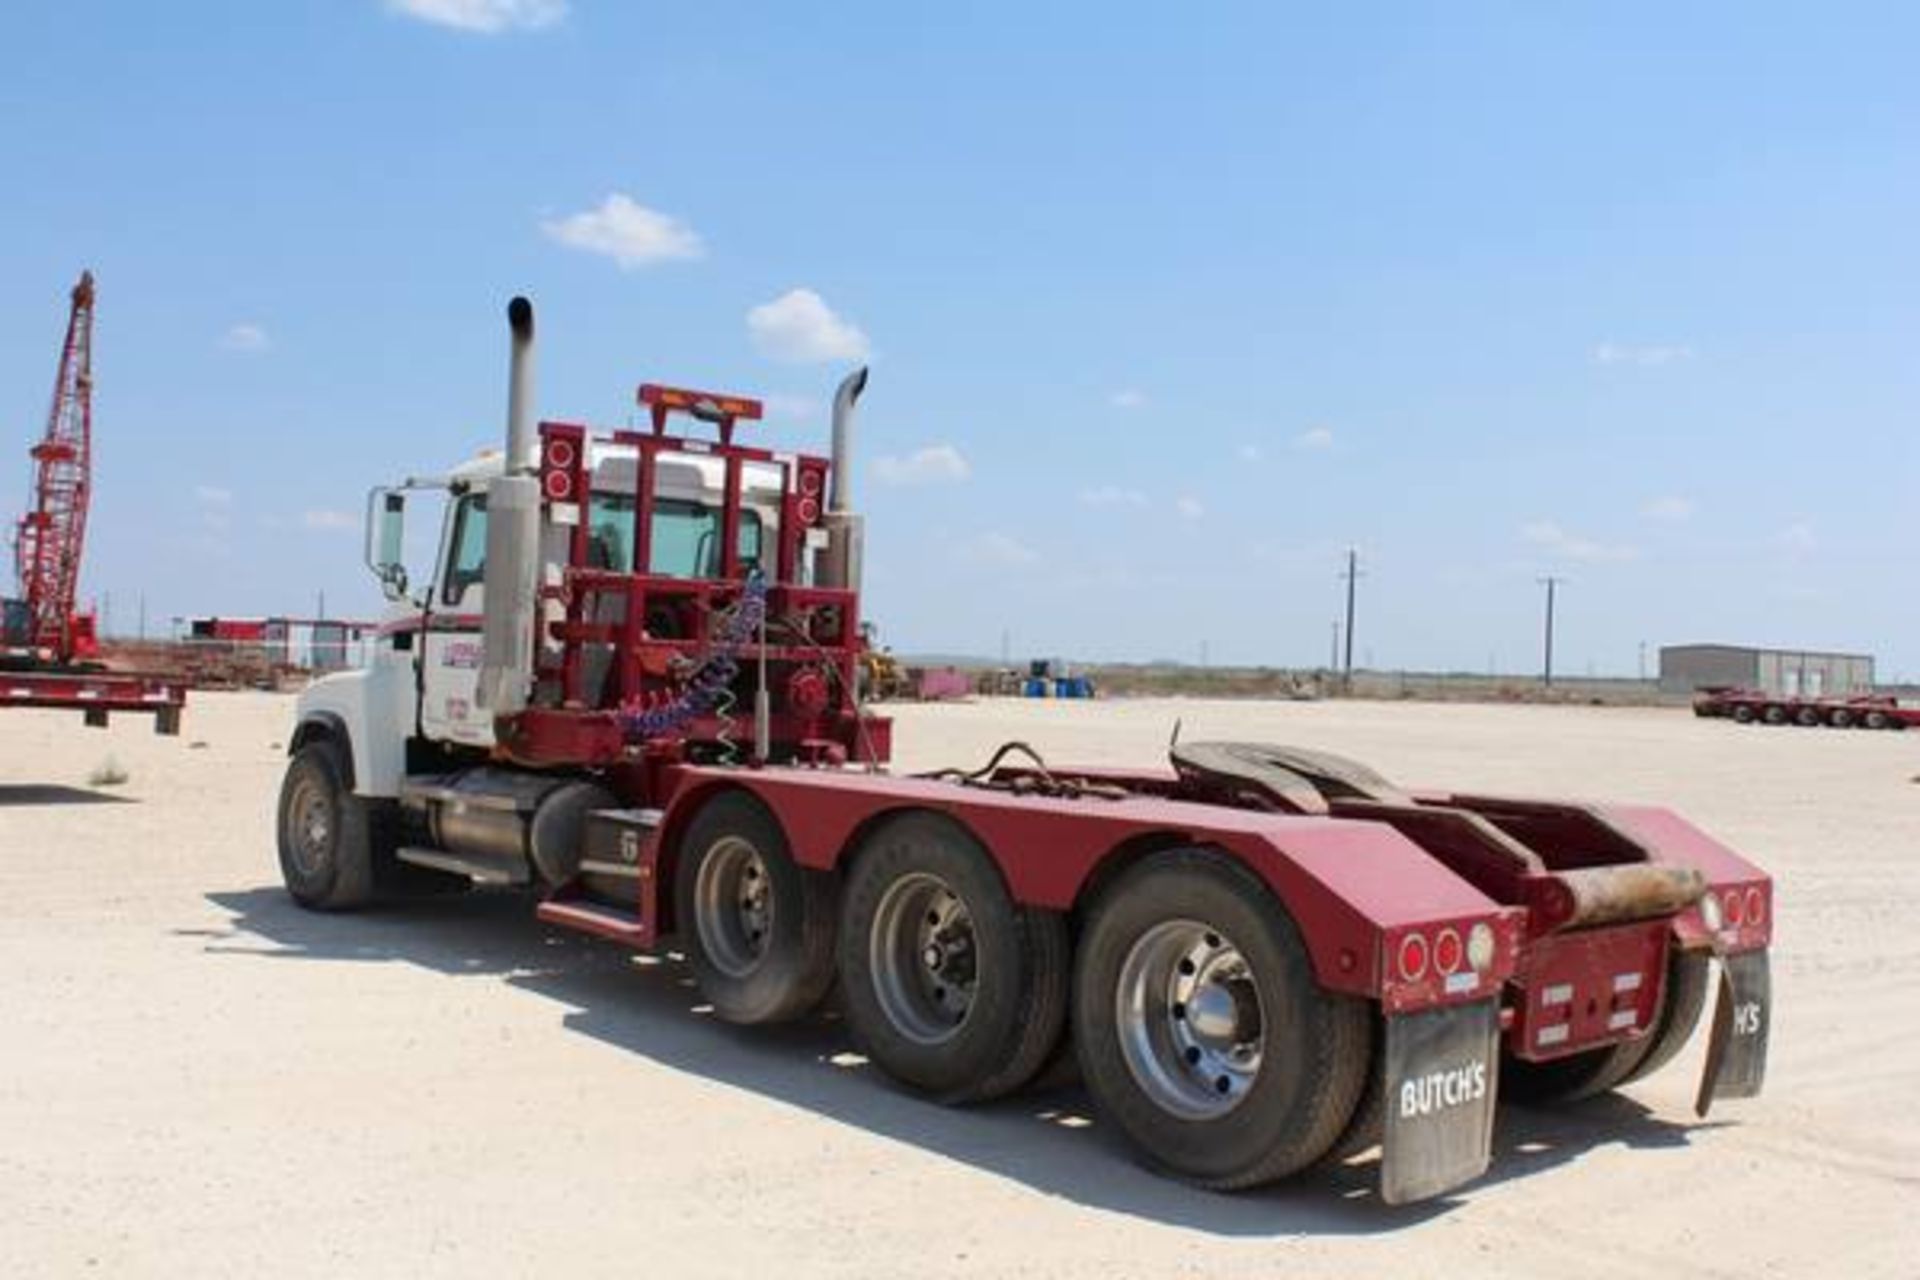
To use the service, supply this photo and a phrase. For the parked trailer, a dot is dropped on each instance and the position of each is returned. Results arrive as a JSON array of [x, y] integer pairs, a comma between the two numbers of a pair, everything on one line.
[[630, 689], [97, 695], [1753, 706]]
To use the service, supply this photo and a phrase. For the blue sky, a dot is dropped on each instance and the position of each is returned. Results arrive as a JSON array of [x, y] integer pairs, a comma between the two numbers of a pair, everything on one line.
[[1166, 304]]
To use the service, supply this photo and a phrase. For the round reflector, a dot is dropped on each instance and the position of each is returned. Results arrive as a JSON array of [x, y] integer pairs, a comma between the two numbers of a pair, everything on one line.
[[809, 511], [1413, 957], [810, 482], [1446, 952], [1756, 905], [1731, 904], [559, 486], [559, 453]]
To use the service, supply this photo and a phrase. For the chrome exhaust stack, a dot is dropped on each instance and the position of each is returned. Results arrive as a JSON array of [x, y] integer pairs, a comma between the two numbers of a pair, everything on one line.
[[511, 579], [839, 564]]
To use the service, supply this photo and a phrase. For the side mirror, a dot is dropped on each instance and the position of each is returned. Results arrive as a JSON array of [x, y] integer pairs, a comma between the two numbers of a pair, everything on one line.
[[386, 530]]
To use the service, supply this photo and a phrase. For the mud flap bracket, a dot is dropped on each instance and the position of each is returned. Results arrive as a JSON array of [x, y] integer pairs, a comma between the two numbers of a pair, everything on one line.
[[1441, 1067]]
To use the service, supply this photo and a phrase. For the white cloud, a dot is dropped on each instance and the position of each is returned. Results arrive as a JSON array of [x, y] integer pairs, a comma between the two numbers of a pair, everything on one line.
[[1643, 354], [997, 551], [248, 339], [326, 520], [1128, 398], [1109, 495], [1189, 507], [1547, 534], [626, 231], [486, 16], [1315, 438], [1671, 507], [799, 326], [935, 464]]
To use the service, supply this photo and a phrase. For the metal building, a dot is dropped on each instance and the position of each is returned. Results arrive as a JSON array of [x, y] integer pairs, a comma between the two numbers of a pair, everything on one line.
[[1783, 673]]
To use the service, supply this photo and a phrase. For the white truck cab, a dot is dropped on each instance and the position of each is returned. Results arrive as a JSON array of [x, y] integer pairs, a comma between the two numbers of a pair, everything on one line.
[[421, 681]]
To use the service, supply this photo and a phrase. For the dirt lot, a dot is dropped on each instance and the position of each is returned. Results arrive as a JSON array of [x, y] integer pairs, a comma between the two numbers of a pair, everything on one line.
[[198, 1079]]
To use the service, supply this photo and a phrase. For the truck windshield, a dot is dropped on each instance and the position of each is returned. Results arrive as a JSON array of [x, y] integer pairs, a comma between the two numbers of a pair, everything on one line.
[[686, 540], [686, 536]]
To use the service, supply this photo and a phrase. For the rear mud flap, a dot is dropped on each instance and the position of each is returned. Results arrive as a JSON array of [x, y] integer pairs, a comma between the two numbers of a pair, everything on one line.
[[1737, 1053], [1441, 1068]]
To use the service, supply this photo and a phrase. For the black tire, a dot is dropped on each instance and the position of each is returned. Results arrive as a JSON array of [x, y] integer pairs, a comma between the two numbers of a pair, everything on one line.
[[1841, 718], [1688, 976], [325, 832], [1742, 714], [1291, 1110], [980, 1019], [1774, 714], [1368, 1124], [757, 927], [1877, 719], [1596, 1071], [1807, 717]]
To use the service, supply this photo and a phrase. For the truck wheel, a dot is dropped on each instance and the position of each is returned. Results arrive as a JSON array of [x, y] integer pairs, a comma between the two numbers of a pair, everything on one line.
[[1595, 1071], [1774, 714], [949, 985], [1840, 718], [1877, 720], [758, 927], [1202, 1031], [1807, 717], [326, 841], [1742, 713]]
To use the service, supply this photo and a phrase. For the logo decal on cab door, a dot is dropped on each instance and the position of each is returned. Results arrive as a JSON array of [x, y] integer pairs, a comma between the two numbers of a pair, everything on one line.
[[463, 655]]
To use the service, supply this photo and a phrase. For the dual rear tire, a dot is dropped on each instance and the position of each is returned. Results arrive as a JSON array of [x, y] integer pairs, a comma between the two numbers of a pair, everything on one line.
[[1196, 1018]]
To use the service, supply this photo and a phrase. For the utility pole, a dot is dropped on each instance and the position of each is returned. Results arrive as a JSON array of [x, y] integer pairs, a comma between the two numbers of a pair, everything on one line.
[[1352, 575], [1552, 583]]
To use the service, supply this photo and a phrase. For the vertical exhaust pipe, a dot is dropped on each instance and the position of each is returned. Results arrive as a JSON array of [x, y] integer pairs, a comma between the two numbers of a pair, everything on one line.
[[522, 448], [511, 578], [840, 562]]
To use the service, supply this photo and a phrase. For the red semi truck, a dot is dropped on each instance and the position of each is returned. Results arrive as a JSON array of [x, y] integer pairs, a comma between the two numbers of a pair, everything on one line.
[[629, 690]]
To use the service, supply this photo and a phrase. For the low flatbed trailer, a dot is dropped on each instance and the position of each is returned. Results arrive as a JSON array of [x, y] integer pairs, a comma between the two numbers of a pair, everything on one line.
[[97, 695], [1754, 706], [629, 690]]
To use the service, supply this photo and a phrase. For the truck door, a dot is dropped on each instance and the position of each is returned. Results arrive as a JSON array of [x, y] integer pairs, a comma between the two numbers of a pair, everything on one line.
[[450, 645]]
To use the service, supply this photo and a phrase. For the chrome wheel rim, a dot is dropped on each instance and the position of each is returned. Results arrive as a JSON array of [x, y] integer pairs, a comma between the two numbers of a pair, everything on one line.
[[924, 957], [1191, 1022], [733, 906], [310, 821]]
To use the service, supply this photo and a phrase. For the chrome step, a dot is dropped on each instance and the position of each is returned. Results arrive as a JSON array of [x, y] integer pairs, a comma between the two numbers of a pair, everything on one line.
[[596, 918]]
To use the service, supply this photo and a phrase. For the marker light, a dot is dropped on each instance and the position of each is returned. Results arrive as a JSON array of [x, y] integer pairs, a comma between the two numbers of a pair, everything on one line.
[[1446, 952], [1710, 913], [1480, 947]]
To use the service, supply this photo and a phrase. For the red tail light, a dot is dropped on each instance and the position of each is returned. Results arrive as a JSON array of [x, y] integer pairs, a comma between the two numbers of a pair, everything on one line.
[[1413, 957], [1447, 952]]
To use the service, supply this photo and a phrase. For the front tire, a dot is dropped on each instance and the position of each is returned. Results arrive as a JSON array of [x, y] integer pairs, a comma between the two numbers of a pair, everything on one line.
[[1202, 1030], [950, 986], [758, 927], [325, 832]]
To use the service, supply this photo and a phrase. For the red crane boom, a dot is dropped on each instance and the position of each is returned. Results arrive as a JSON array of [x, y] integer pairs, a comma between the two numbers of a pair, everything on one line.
[[51, 536]]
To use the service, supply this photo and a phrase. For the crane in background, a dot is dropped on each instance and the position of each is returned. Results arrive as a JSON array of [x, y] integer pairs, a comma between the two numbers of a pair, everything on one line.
[[48, 647], [50, 537]]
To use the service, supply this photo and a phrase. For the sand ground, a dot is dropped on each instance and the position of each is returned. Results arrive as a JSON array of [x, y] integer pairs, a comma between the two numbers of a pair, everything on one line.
[[196, 1078]]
